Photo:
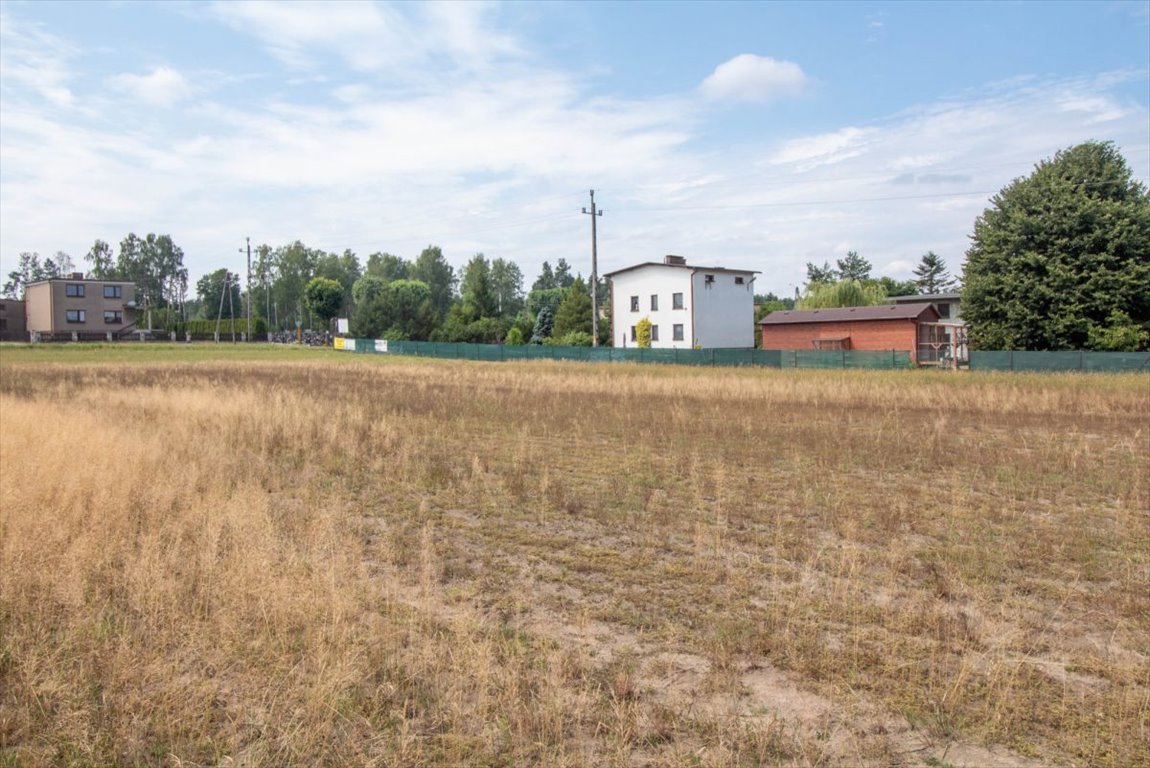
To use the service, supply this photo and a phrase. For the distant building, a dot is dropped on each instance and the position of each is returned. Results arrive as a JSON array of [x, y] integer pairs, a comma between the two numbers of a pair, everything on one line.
[[12, 326], [885, 327], [688, 306], [86, 309], [949, 305]]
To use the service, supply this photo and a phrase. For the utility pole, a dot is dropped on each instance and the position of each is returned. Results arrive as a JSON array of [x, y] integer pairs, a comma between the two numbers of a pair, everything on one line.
[[594, 214], [249, 287]]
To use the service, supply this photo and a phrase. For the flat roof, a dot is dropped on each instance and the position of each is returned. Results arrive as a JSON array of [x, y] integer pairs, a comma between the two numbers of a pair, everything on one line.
[[918, 298], [840, 314], [692, 267]]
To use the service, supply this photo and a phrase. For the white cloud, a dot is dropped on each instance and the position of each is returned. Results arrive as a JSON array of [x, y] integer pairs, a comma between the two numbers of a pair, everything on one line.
[[163, 86], [748, 77], [824, 149], [34, 60]]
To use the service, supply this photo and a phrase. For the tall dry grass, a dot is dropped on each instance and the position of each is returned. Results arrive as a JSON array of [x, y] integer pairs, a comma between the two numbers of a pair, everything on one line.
[[404, 563]]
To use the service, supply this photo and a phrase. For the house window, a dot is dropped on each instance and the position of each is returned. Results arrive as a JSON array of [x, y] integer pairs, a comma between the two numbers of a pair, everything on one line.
[[76, 316], [634, 303], [74, 290], [677, 332], [114, 317], [738, 281], [654, 333], [676, 301], [943, 310], [654, 302], [113, 291], [634, 336], [3, 323], [708, 280]]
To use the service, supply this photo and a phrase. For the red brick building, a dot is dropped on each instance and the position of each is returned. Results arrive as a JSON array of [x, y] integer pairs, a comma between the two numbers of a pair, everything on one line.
[[888, 326]]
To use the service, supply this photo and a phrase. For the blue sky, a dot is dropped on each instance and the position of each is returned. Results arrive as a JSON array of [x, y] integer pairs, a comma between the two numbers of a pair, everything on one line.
[[750, 135]]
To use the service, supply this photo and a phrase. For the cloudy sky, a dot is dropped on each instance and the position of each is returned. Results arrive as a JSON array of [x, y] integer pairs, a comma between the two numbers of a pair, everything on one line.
[[750, 135]]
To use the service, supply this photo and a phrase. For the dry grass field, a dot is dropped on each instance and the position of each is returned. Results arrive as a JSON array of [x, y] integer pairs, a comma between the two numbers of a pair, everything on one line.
[[314, 558]]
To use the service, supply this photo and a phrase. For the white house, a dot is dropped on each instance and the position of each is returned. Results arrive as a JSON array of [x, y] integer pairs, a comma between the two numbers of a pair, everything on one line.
[[688, 306]]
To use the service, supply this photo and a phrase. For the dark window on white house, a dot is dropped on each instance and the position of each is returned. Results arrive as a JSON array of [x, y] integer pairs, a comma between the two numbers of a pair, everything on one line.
[[654, 333], [113, 291], [676, 301], [634, 303], [708, 279], [738, 281], [74, 290], [654, 302], [677, 332], [633, 334], [943, 310], [114, 317], [76, 316]]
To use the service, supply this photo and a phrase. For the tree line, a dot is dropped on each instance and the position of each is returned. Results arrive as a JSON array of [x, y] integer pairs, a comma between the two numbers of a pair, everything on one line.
[[1060, 260]]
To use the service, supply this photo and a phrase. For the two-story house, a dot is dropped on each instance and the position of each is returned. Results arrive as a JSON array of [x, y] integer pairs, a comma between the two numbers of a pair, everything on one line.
[[688, 306], [82, 307]]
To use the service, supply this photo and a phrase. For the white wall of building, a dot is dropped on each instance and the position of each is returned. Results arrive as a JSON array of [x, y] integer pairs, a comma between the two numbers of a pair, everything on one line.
[[718, 313]]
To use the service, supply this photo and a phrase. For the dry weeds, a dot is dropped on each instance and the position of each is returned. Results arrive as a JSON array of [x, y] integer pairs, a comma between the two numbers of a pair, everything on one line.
[[368, 561]]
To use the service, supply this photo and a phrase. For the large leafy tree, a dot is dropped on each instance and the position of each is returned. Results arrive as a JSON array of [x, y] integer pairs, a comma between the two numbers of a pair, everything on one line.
[[30, 270], [101, 260], [323, 297], [344, 269], [476, 290], [219, 295], [844, 293], [507, 283], [401, 310], [930, 276], [387, 267], [156, 265], [293, 265], [1061, 258], [432, 268]]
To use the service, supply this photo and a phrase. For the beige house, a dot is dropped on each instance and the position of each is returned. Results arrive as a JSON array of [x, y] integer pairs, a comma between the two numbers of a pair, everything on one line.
[[84, 308]]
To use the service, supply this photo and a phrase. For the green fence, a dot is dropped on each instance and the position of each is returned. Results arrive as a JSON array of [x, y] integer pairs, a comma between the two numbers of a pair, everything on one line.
[[760, 358], [1101, 362]]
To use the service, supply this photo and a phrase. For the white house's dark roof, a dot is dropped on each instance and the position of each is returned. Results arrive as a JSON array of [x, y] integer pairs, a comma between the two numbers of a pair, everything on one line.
[[690, 267], [842, 314]]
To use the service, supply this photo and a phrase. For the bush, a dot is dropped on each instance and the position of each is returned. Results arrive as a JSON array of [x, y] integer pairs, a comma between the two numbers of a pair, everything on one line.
[[572, 339]]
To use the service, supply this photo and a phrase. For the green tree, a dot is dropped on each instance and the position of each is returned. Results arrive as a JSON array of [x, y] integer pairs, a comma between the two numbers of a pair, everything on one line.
[[476, 291], [824, 274], [544, 321], [892, 287], [546, 279], [844, 293], [514, 337], [432, 268], [156, 265], [387, 267], [574, 313], [853, 267], [401, 310], [507, 284], [368, 288], [30, 270], [1061, 257], [294, 266], [323, 297], [212, 294], [101, 260], [344, 269], [931, 275], [563, 276]]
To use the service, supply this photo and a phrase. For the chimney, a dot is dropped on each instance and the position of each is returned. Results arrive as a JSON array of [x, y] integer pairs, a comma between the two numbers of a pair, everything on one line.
[[676, 261], [77, 275]]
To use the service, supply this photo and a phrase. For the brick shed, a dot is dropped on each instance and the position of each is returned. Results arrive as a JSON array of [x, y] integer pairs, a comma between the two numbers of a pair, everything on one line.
[[888, 326]]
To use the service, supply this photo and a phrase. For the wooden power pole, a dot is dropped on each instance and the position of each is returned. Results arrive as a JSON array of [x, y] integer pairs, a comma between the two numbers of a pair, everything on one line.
[[594, 214]]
